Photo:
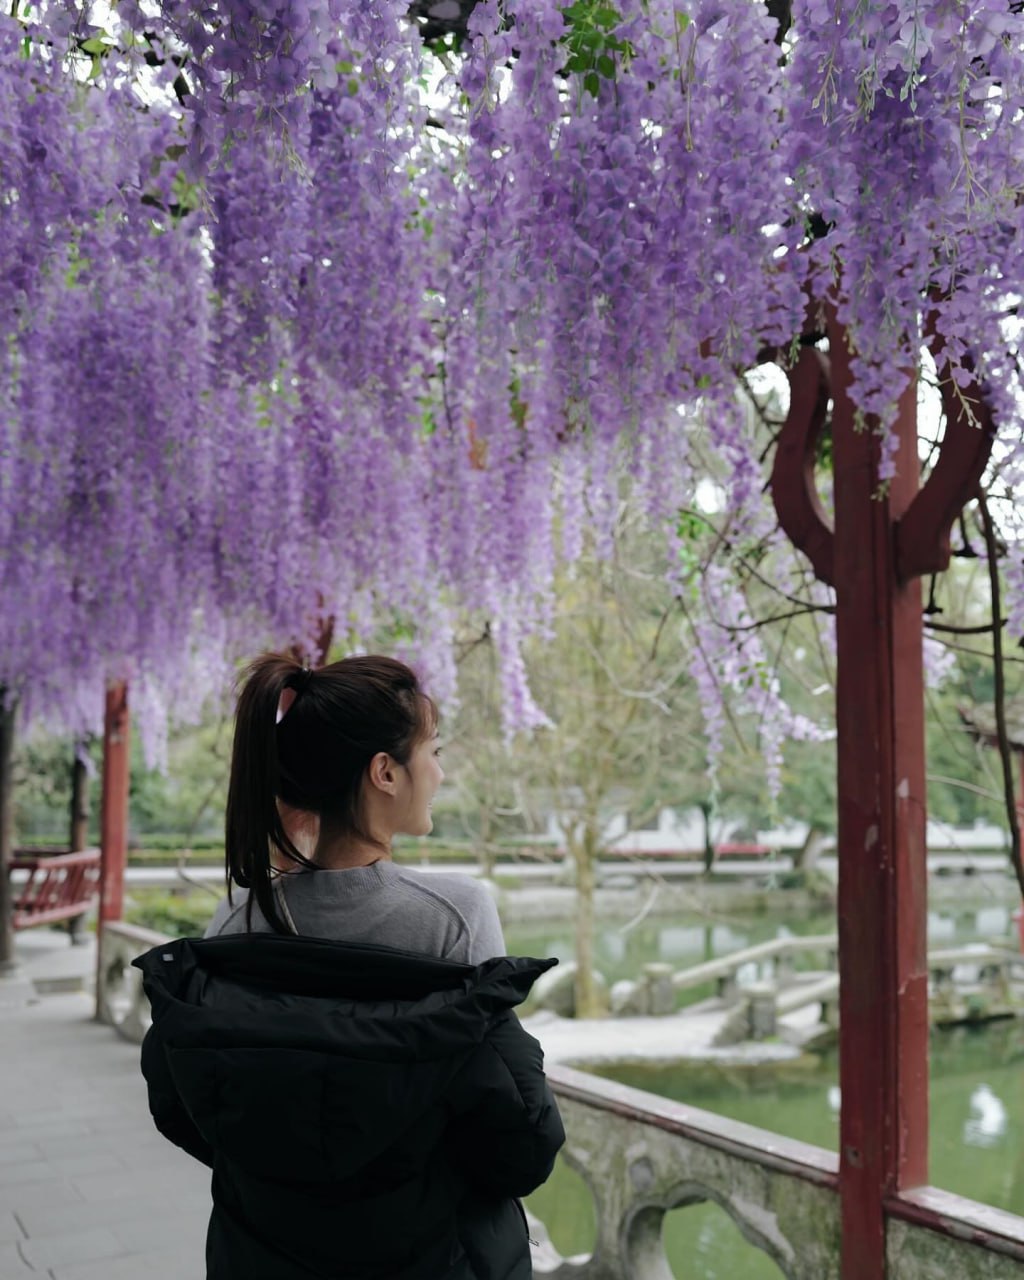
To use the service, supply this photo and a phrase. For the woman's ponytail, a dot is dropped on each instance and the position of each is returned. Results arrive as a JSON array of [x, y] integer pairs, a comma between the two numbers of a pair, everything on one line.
[[253, 825]]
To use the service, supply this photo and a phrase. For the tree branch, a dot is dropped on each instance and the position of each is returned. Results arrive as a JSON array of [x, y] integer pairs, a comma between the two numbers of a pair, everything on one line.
[[1002, 738], [983, 628], [776, 617]]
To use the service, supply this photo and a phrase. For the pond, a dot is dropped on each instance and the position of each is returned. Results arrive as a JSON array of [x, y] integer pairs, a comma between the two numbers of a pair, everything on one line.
[[977, 1106]]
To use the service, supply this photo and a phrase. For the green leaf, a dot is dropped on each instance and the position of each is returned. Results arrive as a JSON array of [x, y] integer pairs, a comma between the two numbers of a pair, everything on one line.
[[592, 83], [607, 17], [606, 66]]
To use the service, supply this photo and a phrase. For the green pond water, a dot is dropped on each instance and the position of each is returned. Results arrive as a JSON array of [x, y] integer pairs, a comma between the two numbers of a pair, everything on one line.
[[976, 1093]]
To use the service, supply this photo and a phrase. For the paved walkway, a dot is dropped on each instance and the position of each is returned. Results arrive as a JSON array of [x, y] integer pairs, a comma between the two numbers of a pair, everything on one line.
[[88, 1188]]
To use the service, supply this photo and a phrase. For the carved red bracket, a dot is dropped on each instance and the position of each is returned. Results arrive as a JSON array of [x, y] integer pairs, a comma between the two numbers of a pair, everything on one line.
[[794, 493], [922, 535]]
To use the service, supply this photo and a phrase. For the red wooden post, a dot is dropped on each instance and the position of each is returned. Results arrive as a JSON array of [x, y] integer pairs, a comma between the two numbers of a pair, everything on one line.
[[883, 1006], [114, 810], [8, 713], [1020, 794], [1018, 915], [874, 558]]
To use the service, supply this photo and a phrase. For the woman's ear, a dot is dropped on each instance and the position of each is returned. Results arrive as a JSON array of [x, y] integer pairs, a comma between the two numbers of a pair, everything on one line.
[[381, 773]]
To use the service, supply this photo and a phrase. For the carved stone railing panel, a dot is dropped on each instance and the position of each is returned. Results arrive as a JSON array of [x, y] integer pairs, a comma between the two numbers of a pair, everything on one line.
[[642, 1156], [935, 1233], [120, 999]]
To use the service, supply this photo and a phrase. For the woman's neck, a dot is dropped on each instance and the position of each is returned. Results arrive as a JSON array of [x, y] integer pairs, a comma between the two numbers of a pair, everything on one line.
[[338, 852]]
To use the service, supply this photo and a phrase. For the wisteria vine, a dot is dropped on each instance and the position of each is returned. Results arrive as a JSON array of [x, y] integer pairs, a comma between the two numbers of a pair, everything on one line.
[[299, 312]]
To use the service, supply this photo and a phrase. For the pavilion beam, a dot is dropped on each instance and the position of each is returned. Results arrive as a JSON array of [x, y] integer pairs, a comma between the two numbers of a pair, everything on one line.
[[883, 1021]]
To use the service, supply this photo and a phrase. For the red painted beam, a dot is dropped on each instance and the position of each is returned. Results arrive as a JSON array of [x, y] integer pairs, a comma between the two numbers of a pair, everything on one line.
[[883, 1019], [114, 802]]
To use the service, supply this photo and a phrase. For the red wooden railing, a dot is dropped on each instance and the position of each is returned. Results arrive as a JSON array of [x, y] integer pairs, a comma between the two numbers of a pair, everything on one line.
[[50, 885]]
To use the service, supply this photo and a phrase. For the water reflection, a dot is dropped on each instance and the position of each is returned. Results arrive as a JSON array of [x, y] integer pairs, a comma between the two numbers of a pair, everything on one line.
[[988, 1121]]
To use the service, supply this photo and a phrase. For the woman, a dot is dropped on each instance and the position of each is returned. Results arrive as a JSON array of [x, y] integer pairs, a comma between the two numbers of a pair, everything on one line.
[[341, 1048]]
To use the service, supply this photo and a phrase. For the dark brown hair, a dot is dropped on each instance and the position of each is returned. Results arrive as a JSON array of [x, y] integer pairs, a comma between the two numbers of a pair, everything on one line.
[[313, 758]]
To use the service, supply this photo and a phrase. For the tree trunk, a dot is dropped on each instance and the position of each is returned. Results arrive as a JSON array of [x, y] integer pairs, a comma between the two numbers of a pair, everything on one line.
[[486, 852], [79, 799], [584, 851], [806, 859], [707, 809], [79, 834], [8, 712]]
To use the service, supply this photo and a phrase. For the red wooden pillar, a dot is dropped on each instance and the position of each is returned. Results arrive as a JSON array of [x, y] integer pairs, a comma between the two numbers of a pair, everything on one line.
[[8, 716], [874, 557], [1020, 792], [114, 803], [883, 992]]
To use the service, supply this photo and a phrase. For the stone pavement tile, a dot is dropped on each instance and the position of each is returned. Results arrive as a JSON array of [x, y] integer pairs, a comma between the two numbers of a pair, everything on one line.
[[20, 1152], [11, 1122], [51, 1127], [79, 1144], [134, 1149], [16, 991], [126, 1123], [165, 1232], [81, 1163], [72, 1247], [144, 1159], [41, 1221], [13, 1265], [50, 1193], [180, 1265], [17, 1175], [157, 1184], [10, 1228]]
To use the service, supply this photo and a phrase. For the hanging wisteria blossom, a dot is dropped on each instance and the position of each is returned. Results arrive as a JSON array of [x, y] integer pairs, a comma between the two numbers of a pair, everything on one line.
[[331, 308]]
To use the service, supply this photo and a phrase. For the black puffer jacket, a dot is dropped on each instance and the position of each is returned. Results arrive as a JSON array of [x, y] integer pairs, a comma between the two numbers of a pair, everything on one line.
[[369, 1114]]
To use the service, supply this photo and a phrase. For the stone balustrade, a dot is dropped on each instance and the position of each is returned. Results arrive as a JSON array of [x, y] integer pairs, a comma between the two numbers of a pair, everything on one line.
[[642, 1156], [120, 999]]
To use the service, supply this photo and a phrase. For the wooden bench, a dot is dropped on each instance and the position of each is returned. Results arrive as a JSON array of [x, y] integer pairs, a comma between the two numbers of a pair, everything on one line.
[[50, 885]]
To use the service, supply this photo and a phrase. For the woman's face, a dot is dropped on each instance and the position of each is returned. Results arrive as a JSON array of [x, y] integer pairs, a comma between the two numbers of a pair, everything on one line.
[[419, 781]]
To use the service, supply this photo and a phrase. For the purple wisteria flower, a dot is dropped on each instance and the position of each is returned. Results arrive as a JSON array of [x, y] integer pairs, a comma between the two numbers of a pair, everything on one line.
[[301, 317]]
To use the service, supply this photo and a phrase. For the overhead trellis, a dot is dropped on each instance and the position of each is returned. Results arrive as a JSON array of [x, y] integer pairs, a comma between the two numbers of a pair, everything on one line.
[[320, 304]]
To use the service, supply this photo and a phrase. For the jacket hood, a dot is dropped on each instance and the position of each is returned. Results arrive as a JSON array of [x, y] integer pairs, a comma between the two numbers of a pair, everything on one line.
[[308, 1059]]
